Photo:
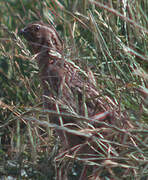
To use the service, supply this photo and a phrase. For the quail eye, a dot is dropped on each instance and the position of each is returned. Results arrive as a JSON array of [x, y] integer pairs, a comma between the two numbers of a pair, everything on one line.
[[37, 27]]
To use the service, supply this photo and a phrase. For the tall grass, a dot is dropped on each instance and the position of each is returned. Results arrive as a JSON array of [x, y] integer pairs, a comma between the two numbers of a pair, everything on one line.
[[108, 37]]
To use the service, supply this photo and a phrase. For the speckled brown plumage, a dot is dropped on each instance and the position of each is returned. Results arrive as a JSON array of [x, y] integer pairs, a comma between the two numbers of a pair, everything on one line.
[[64, 89], [60, 78]]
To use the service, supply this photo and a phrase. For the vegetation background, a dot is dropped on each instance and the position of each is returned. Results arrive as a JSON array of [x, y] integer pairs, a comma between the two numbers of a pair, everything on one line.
[[108, 36]]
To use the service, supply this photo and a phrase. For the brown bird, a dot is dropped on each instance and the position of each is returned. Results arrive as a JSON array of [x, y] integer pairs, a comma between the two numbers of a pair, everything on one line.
[[61, 78], [66, 88]]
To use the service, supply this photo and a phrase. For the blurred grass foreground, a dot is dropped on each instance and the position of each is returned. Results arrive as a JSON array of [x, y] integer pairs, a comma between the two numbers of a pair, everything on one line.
[[110, 37]]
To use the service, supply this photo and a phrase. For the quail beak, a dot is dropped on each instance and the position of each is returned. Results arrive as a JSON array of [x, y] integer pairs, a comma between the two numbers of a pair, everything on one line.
[[22, 32]]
